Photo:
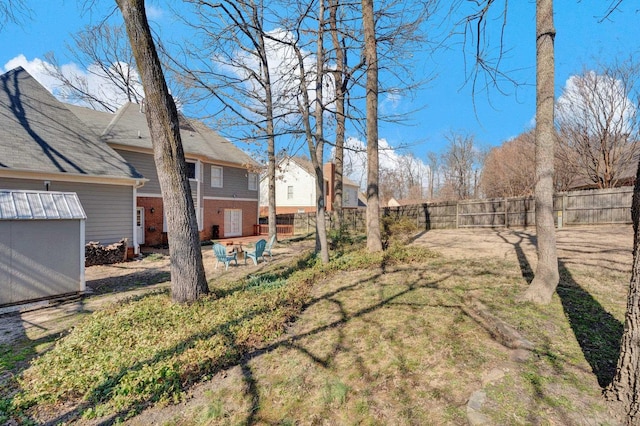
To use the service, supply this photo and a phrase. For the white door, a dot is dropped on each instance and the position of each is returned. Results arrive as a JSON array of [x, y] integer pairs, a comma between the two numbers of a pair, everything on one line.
[[140, 224], [232, 222]]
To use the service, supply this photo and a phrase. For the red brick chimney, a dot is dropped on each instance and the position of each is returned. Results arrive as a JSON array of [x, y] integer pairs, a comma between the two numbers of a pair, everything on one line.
[[329, 171]]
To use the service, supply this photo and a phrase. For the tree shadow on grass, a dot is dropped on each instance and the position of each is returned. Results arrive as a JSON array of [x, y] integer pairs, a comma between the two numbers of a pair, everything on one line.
[[17, 353], [596, 330], [131, 281]]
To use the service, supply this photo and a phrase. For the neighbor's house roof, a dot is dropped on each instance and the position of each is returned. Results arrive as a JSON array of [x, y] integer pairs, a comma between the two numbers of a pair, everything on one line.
[[38, 134], [24, 205], [625, 176], [128, 128]]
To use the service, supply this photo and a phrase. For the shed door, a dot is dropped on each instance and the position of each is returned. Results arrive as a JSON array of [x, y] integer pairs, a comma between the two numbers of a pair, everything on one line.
[[140, 224], [232, 222]]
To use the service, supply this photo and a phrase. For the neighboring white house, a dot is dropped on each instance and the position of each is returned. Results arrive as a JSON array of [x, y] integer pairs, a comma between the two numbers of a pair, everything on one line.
[[296, 188]]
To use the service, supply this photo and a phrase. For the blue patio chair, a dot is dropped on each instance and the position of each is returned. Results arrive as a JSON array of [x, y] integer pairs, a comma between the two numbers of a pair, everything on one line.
[[269, 246], [221, 256], [257, 253]]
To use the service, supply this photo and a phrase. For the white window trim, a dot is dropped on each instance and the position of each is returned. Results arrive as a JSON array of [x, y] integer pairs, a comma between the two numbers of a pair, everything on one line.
[[221, 176], [196, 170], [253, 178], [290, 193]]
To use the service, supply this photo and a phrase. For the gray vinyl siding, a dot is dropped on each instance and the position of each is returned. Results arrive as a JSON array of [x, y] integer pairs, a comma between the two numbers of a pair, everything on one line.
[[33, 265], [145, 165], [235, 183], [109, 208]]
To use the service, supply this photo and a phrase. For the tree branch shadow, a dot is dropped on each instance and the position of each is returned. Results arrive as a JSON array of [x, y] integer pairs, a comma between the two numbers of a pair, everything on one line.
[[597, 331]]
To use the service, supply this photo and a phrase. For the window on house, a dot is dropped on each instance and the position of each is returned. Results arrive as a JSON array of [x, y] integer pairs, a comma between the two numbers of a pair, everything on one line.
[[216, 177], [191, 170], [289, 192], [253, 181], [347, 197]]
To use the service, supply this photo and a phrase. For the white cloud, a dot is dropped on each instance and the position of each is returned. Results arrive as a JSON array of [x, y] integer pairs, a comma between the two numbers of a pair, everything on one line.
[[284, 73], [154, 13], [35, 67], [93, 79], [391, 101], [355, 159]]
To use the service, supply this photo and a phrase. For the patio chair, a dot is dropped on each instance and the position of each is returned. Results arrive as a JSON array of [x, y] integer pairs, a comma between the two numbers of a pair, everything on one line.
[[269, 246], [257, 253], [222, 256]]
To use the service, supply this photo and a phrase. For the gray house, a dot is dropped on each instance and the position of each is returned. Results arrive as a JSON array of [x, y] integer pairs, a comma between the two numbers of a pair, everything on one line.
[[224, 179], [45, 147]]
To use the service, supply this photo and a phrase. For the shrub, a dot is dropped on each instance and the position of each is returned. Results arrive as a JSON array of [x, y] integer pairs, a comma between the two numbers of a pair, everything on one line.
[[397, 229]]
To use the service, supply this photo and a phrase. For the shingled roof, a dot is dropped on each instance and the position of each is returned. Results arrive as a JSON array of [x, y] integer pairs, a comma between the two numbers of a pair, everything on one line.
[[39, 134], [128, 127]]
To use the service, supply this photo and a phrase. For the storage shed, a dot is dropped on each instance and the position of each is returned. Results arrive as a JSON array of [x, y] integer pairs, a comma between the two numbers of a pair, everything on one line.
[[41, 245]]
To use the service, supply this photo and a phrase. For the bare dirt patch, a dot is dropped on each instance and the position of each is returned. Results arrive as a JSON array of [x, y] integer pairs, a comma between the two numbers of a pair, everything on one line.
[[600, 246]]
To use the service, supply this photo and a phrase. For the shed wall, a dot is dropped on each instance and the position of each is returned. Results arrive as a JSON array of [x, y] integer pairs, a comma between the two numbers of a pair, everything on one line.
[[33, 267]]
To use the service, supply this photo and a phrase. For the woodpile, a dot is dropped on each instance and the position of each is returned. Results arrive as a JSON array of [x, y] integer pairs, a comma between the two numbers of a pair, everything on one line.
[[96, 254]]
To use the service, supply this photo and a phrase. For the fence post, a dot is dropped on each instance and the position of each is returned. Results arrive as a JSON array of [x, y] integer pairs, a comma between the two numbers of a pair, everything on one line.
[[457, 212], [506, 212]]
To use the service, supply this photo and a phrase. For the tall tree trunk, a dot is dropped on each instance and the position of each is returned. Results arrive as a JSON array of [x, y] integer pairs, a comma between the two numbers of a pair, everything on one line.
[[625, 387], [188, 280], [374, 241], [271, 140], [546, 276], [340, 80], [315, 140], [317, 156]]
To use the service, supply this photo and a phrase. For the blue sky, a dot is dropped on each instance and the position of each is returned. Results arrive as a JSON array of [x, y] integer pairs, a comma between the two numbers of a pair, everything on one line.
[[581, 42]]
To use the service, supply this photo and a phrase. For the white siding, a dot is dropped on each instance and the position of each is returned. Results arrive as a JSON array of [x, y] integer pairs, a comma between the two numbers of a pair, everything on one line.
[[304, 190]]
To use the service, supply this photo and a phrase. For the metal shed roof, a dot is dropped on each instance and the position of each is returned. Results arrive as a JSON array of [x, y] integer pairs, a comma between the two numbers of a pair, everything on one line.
[[28, 205]]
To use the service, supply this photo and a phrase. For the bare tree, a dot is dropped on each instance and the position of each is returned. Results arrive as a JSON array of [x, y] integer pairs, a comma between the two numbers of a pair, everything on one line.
[[343, 75], [188, 280], [13, 11], [509, 170], [315, 137], [434, 164], [598, 124], [229, 67], [546, 276], [625, 388], [374, 240], [402, 179], [460, 166], [103, 50]]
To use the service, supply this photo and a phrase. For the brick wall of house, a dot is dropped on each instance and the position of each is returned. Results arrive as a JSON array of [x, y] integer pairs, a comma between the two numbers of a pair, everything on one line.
[[153, 222], [214, 215]]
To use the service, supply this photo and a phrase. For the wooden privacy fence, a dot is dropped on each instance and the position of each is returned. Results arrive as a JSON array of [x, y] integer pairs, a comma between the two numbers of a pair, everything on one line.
[[588, 207]]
